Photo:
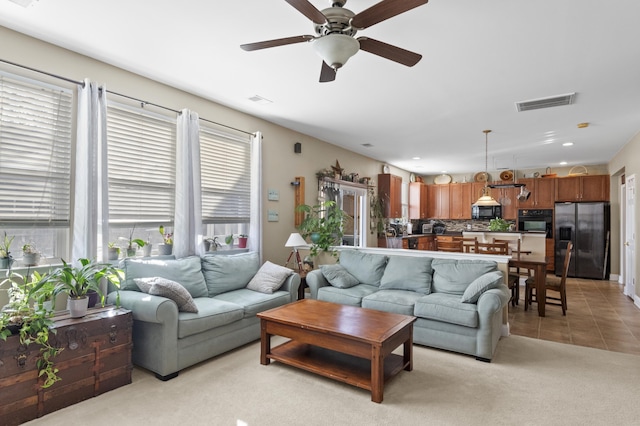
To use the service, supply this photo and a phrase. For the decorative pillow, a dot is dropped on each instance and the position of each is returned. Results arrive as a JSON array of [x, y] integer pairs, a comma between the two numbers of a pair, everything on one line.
[[187, 271], [408, 273], [159, 286], [224, 273], [338, 276], [366, 267], [453, 276], [269, 278], [482, 284]]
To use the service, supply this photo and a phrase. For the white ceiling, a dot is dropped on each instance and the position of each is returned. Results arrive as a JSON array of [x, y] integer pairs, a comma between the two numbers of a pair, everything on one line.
[[479, 58]]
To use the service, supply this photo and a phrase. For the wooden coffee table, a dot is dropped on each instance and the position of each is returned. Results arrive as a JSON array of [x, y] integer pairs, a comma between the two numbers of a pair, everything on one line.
[[345, 343]]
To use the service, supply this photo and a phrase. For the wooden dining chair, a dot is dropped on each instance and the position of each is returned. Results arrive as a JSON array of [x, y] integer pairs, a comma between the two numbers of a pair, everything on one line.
[[491, 248], [552, 283], [468, 243], [514, 275], [450, 246]]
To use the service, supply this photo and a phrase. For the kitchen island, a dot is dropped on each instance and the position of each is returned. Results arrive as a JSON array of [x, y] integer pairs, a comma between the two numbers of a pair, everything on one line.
[[533, 242]]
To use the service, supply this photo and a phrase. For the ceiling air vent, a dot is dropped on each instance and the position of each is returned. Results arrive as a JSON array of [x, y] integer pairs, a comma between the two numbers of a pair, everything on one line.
[[552, 101]]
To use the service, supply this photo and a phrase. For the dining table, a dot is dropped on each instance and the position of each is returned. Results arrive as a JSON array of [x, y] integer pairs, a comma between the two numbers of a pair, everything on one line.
[[538, 264]]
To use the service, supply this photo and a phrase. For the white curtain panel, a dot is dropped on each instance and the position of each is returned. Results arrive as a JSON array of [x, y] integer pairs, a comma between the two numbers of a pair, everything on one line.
[[91, 213], [255, 228], [187, 230]]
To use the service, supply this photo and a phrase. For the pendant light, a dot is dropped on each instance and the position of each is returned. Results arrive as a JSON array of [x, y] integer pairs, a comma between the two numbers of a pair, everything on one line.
[[486, 199]]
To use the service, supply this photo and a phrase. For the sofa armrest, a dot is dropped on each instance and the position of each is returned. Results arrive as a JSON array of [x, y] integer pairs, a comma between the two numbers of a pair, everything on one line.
[[315, 281], [493, 300], [291, 285], [147, 307]]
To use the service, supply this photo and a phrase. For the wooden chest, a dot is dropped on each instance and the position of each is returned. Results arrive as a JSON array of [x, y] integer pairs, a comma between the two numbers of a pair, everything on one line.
[[96, 358]]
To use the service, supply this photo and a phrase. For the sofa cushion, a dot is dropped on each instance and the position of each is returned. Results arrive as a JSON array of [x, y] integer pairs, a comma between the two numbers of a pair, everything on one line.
[[346, 296], [482, 284], [186, 271], [366, 267], [226, 273], [408, 273], [454, 276], [212, 313], [396, 301], [269, 278], [447, 308], [338, 276], [158, 286], [254, 302]]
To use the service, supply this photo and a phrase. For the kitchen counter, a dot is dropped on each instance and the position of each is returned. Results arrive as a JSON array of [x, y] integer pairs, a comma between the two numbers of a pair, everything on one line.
[[529, 241]]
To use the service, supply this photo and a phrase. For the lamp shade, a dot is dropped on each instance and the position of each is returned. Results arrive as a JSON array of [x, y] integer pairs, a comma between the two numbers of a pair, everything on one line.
[[336, 49], [486, 199], [295, 240]]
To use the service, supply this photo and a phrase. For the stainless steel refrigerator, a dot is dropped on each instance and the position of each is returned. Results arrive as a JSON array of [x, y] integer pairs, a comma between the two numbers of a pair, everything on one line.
[[586, 225]]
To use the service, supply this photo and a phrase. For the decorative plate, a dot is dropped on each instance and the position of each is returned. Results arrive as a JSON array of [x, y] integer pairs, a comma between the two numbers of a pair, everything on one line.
[[506, 175], [481, 177], [442, 179], [412, 177], [386, 169]]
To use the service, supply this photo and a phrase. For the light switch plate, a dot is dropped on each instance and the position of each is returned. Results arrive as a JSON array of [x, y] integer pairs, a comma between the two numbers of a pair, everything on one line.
[[273, 195], [272, 215]]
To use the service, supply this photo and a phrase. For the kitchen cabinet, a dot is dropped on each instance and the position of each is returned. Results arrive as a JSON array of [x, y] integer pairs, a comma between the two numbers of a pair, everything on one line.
[[542, 193], [507, 199], [460, 200], [420, 242], [390, 192], [438, 201], [418, 200], [582, 188]]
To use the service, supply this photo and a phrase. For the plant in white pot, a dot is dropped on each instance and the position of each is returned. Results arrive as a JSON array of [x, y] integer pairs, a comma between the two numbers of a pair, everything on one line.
[[78, 281], [113, 251], [167, 245], [5, 251], [30, 255], [131, 249]]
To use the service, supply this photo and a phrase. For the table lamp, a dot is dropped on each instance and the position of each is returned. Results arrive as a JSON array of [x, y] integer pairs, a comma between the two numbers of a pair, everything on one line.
[[294, 241]]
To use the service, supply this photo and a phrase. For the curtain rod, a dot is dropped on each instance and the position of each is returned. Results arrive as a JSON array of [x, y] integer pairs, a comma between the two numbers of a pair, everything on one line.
[[81, 83]]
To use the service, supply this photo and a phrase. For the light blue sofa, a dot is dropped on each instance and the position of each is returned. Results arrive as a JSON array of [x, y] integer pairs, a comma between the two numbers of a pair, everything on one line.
[[458, 302], [166, 340]]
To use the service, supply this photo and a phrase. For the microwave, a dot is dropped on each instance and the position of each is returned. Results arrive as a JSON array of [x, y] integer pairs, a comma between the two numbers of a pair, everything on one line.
[[486, 212]]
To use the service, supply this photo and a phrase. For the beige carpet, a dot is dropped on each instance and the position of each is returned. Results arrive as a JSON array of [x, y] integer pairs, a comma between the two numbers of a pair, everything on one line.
[[529, 382]]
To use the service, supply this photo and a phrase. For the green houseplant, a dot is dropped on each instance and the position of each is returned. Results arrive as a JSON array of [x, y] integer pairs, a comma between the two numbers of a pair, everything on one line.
[[323, 225], [30, 321], [498, 224], [167, 241], [78, 282], [5, 251], [131, 249], [30, 255]]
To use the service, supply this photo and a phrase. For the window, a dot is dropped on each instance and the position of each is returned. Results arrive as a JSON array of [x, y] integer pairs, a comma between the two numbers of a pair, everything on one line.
[[35, 163], [226, 182], [141, 151]]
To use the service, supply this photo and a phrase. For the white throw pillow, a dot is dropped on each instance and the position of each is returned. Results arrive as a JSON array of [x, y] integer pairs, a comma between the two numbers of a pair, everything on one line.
[[159, 286], [269, 278]]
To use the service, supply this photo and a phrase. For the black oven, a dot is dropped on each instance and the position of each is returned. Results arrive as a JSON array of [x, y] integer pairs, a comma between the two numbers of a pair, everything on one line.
[[540, 220]]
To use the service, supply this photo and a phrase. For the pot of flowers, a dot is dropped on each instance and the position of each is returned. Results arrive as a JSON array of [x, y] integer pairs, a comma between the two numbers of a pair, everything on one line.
[[323, 225], [5, 252], [242, 240], [167, 246], [30, 255], [78, 281]]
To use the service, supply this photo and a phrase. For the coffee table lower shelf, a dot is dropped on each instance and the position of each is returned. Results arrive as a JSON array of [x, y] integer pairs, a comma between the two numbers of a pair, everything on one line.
[[342, 367]]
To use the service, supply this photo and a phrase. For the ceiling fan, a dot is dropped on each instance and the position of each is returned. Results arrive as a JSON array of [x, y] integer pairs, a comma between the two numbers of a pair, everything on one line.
[[335, 28]]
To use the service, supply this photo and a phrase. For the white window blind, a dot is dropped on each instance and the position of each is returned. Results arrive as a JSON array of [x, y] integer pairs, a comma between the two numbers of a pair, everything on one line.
[[226, 177], [142, 151], [35, 153]]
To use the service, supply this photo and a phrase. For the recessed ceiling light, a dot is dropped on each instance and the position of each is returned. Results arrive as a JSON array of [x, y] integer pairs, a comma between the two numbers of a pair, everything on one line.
[[548, 141], [415, 158], [260, 100], [444, 171], [23, 3], [563, 163], [567, 144]]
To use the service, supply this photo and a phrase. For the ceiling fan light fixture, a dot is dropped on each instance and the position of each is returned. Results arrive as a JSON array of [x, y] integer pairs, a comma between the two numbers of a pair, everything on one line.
[[336, 49]]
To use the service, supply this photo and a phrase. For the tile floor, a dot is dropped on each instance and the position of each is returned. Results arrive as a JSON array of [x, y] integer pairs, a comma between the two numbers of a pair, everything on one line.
[[599, 315]]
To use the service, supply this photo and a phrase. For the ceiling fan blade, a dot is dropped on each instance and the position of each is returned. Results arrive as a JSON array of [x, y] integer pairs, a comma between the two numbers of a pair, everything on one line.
[[327, 73], [308, 10], [383, 10], [397, 54], [274, 43]]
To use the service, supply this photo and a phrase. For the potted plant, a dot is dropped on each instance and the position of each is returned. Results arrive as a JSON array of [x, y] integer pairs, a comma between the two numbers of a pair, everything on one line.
[[498, 224], [5, 252], [146, 248], [323, 225], [131, 249], [229, 240], [30, 255], [78, 281], [167, 246], [211, 243], [242, 240], [113, 251], [31, 322]]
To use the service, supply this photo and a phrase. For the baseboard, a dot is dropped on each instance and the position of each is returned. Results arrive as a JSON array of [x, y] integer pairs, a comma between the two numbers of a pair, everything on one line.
[[616, 277]]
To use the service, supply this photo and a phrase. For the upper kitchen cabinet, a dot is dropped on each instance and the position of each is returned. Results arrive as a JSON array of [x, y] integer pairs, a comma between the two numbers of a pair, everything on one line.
[[390, 192], [418, 200], [582, 188], [460, 200], [438, 201], [542, 193], [507, 197]]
